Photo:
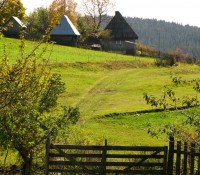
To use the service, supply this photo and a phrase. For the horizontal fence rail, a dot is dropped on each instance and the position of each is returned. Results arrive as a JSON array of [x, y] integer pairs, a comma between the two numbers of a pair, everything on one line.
[[179, 158], [102, 160]]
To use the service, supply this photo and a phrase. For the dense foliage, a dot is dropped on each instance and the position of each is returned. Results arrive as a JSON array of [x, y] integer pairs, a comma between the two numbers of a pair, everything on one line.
[[37, 23], [11, 8], [28, 98]]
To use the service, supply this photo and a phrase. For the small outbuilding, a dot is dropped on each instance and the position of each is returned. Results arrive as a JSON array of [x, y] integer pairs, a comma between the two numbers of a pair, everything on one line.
[[65, 33], [13, 27], [122, 36]]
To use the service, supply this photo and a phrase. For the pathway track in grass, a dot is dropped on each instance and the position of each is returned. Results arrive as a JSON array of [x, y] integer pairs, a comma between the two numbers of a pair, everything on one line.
[[83, 97], [120, 91]]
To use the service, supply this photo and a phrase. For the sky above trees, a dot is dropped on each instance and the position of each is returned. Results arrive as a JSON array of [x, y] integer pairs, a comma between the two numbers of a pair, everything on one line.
[[179, 11]]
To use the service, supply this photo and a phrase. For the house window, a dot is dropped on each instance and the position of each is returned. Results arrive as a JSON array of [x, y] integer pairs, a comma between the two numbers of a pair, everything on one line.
[[118, 42]]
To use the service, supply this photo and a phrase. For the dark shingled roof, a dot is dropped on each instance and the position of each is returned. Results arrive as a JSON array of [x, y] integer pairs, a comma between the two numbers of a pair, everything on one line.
[[120, 29]]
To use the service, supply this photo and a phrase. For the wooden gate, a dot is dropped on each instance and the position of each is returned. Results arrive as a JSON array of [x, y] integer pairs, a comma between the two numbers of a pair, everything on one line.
[[103, 160]]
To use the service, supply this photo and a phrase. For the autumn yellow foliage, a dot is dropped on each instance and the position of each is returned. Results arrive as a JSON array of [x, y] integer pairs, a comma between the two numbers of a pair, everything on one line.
[[58, 8]]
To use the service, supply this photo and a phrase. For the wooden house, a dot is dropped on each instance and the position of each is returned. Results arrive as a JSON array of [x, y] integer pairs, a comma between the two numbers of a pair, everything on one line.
[[65, 32], [122, 36], [13, 27]]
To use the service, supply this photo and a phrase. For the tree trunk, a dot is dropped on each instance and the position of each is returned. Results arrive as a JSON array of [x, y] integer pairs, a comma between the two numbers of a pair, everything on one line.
[[27, 164]]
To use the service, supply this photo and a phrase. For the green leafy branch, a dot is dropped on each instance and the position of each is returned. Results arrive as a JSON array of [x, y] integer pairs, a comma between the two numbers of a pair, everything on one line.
[[167, 100], [189, 129]]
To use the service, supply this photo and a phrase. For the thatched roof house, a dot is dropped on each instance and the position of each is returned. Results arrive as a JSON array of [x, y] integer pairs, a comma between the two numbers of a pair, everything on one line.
[[13, 27], [122, 35], [65, 32]]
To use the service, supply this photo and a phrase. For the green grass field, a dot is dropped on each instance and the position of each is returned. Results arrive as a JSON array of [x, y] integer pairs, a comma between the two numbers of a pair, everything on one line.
[[102, 83]]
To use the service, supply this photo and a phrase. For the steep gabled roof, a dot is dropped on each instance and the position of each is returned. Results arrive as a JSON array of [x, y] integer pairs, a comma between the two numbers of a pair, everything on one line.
[[120, 29], [17, 20], [64, 27]]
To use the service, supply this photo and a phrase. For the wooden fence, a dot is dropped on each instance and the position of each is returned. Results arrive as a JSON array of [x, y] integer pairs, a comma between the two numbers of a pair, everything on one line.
[[102, 160], [182, 158]]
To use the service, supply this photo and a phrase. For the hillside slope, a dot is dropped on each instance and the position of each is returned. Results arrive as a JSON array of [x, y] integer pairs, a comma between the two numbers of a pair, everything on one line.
[[102, 83], [107, 87]]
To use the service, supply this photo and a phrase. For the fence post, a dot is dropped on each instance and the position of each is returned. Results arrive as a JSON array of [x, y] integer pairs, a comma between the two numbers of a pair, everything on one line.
[[192, 158], [48, 142], [170, 156], [185, 158], [165, 160], [103, 161], [198, 171], [178, 158]]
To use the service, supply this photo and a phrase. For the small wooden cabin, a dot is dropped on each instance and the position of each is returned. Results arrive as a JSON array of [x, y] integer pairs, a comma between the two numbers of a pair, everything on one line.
[[122, 36], [13, 27], [65, 33]]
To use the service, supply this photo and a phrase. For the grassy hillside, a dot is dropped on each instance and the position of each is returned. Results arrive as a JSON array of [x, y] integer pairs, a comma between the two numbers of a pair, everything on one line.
[[62, 54], [102, 83]]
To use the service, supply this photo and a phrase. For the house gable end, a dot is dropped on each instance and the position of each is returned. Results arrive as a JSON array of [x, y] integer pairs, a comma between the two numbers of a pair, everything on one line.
[[13, 26], [120, 29], [65, 27]]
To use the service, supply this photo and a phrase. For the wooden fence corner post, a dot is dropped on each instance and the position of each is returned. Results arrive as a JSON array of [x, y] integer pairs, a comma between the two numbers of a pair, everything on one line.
[[48, 143], [103, 161], [170, 156]]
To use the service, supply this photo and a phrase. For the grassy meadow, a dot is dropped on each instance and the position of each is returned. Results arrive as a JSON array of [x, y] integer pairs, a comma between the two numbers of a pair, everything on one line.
[[108, 88]]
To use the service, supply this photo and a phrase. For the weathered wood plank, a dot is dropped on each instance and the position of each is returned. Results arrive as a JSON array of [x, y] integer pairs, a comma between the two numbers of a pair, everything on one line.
[[70, 158], [185, 158], [48, 142], [123, 159], [178, 159], [113, 159], [119, 164], [125, 156], [103, 160], [170, 156], [165, 160], [153, 172], [192, 158], [120, 148], [140, 161]]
